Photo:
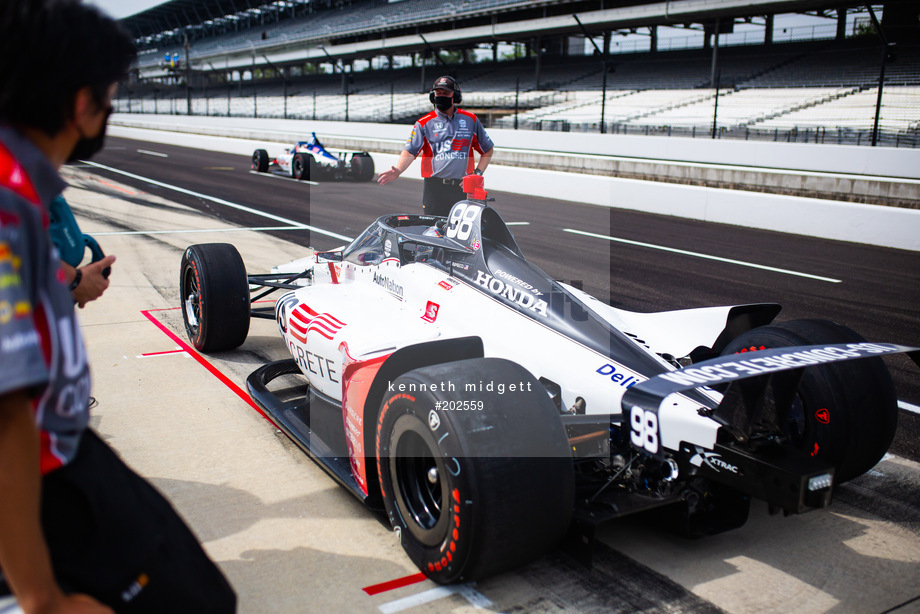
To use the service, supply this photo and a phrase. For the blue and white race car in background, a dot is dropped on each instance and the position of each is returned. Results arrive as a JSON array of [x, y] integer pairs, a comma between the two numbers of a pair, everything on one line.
[[311, 160]]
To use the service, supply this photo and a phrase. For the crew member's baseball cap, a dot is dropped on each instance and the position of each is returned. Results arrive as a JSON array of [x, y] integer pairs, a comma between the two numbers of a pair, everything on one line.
[[444, 83]]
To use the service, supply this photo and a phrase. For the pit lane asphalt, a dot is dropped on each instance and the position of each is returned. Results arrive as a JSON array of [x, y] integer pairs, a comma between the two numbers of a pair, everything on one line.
[[878, 294]]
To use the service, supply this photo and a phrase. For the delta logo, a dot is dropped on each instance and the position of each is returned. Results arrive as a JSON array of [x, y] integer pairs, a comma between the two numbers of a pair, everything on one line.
[[617, 376]]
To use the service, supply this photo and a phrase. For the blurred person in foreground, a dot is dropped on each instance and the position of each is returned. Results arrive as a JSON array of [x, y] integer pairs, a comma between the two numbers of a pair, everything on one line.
[[445, 139], [79, 531]]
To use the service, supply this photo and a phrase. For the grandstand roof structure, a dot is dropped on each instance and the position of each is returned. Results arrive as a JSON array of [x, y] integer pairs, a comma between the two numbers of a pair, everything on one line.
[[180, 13], [272, 59], [240, 34], [175, 14]]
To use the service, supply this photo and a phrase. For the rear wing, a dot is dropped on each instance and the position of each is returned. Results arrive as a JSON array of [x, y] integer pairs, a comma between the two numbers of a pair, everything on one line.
[[749, 379], [758, 389]]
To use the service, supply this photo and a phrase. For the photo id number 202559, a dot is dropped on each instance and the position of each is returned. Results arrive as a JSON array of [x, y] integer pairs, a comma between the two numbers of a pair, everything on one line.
[[459, 405]]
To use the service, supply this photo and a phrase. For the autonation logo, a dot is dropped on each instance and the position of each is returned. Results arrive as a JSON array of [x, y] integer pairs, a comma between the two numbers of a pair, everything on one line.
[[388, 284]]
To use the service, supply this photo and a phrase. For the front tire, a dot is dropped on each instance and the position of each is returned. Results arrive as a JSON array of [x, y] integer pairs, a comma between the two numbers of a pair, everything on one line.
[[362, 167], [473, 492], [301, 165], [845, 413], [214, 291], [259, 161]]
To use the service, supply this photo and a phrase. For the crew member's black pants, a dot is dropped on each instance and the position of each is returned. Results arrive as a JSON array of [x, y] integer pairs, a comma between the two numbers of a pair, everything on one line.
[[114, 537], [438, 197]]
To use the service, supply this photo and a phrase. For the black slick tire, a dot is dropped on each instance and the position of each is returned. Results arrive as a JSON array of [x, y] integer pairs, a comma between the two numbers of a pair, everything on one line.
[[473, 492], [259, 161], [214, 293], [362, 167], [845, 413], [301, 165]]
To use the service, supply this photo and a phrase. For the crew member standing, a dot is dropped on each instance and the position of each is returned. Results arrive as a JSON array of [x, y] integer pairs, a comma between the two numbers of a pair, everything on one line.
[[80, 532], [445, 138]]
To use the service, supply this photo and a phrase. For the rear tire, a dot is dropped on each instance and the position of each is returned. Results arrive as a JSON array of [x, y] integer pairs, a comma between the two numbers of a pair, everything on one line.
[[472, 492], [301, 166], [845, 413], [362, 167], [214, 291], [260, 161]]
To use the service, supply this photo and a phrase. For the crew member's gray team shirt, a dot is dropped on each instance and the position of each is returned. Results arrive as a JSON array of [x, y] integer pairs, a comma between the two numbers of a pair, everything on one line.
[[446, 143], [41, 348]]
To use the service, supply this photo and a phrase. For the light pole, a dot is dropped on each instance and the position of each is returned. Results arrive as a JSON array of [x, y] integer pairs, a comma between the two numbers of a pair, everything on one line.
[[188, 75], [881, 75], [604, 68]]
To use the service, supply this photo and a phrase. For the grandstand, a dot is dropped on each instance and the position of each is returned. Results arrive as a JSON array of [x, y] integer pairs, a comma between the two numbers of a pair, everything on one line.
[[369, 60]]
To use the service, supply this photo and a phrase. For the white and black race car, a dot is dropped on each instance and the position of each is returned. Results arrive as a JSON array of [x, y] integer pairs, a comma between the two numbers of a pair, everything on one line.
[[490, 410], [311, 160]]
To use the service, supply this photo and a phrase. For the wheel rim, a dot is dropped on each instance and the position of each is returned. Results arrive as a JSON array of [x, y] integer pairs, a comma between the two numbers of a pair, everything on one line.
[[191, 303], [298, 167], [419, 482], [255, 162]]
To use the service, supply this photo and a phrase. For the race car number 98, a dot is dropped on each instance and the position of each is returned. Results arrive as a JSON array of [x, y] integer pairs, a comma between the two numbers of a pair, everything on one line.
[[461, 221], [644, 429]]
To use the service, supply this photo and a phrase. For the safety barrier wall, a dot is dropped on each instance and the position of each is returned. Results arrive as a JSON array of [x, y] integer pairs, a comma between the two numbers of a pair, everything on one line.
[[891, 226], [801, 157]]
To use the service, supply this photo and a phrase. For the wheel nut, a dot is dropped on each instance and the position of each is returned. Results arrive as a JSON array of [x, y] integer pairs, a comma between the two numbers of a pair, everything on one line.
[[433, 475]]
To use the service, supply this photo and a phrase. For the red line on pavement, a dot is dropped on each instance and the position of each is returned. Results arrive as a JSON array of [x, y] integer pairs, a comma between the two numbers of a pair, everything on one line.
[[115, 187], [161, 353], [204, 363], [394, 584], [375, 589]]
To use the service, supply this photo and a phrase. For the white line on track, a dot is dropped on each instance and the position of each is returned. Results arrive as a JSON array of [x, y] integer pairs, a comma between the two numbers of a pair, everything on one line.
[[276, 176], [706, 256], [193, 230], [908, 407], [474, 597], [152, 153], [220, 201]]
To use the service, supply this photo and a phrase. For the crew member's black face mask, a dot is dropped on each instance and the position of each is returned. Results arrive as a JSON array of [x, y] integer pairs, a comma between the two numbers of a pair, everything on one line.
[[87, 147], [443, 102]]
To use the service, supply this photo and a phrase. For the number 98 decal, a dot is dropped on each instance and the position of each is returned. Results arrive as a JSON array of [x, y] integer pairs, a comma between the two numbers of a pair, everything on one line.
[[644, 429], [460, 224]]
